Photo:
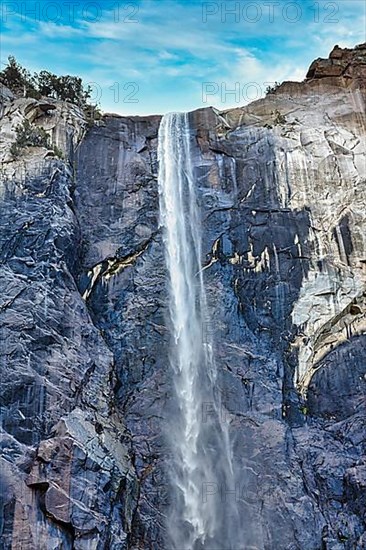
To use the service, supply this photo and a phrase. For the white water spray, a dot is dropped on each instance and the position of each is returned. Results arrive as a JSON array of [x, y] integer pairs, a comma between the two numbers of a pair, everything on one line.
[[198, 437]]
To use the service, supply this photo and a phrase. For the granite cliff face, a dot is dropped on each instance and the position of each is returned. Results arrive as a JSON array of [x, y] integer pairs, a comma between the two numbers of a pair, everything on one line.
[[86, 388]]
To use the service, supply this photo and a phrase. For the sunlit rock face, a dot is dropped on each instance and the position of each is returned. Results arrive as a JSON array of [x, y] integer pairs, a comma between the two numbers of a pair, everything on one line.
[[86, 384]]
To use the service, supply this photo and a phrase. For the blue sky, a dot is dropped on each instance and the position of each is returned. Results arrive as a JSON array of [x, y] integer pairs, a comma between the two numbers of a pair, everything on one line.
[[153, 56]]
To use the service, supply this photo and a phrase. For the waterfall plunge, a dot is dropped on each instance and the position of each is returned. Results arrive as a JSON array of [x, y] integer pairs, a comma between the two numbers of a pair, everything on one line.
[[201, 517]]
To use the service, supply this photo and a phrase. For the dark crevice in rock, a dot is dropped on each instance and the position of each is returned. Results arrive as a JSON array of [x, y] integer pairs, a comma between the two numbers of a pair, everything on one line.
[[114, 265]]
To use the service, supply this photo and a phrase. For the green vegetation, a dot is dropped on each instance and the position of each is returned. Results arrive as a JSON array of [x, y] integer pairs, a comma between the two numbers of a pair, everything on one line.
[[45, 84], [64, 88], [304, 410], [272, 89], [92, 113], [279, 118], [18, 79], [29, 135]]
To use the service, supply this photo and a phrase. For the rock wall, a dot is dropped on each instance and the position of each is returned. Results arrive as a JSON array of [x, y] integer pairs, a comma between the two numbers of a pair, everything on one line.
[[67, 479], [86, 385]]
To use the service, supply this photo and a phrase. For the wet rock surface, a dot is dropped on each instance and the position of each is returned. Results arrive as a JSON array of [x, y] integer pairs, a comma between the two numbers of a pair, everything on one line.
[[86, 385]]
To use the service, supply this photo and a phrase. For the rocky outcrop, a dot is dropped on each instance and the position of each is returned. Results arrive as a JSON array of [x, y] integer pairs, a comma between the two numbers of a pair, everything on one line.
[[86, 392], [345, 62]]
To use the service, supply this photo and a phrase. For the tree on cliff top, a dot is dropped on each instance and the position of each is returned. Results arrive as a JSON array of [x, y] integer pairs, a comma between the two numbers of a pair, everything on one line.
[[65, 87], [18, 79]]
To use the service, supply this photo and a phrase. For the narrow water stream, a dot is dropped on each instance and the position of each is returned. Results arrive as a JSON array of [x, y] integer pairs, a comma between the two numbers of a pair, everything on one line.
[[201, 516]]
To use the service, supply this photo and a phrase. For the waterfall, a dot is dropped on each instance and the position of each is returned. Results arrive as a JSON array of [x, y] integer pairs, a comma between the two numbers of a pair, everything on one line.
[[200, 515]]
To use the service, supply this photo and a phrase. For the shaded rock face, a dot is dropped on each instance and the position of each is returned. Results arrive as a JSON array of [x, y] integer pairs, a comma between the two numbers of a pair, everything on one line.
[[337, 388], [65, 472], [86, 384]]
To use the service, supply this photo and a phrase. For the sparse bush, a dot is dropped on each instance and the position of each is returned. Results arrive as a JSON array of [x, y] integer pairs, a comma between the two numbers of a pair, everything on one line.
[[92, 113], [58, 153], [29, 135], [272, 89], [279, 118], [14, 149]]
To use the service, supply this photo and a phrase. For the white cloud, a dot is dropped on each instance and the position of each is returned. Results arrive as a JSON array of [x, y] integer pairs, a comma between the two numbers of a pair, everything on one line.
[[54, 30], [170, 52]]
